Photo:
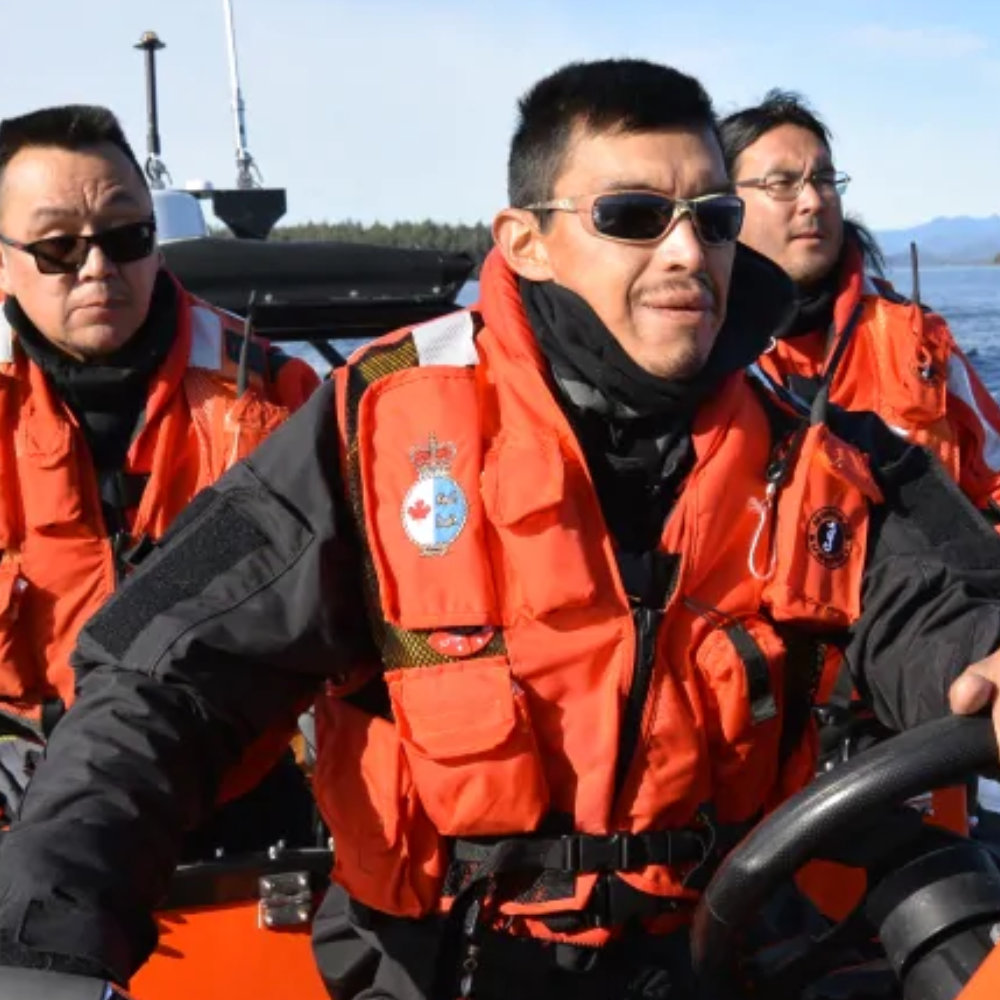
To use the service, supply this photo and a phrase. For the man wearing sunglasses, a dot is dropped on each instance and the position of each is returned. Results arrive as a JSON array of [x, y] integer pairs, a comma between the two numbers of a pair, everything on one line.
[[119, 402], [853, 333], [588, 548]]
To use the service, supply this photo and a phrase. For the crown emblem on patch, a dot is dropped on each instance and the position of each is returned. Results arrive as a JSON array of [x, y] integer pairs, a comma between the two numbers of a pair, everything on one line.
[[434, 509], [433, 458]]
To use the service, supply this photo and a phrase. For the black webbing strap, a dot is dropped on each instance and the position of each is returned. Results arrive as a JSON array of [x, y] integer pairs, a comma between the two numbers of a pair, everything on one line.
[[761, 696], [121, 492], [843, 688], [583, 854], [578, 854], [821, 401], [613, 903], [804, 658]]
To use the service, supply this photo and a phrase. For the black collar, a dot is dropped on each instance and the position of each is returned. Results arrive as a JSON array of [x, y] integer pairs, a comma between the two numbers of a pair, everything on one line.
[[589, 362]]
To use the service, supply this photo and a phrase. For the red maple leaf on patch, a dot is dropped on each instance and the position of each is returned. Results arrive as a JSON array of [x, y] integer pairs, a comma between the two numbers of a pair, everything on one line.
[[419, 510]]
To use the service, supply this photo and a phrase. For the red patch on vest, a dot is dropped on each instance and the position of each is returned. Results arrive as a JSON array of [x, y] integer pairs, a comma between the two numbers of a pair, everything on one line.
[[459, 644]]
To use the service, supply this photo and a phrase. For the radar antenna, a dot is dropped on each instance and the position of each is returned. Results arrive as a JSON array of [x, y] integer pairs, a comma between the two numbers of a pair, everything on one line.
[[247, 173]]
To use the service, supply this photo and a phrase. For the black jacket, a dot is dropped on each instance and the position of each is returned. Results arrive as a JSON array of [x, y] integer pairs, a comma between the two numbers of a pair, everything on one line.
[[253, 600]]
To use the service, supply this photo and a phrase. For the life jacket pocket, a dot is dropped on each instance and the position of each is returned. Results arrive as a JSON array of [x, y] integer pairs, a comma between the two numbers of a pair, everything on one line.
[[228, 428], [423, 512], [539, 526], [14, 647], [249, 420], [913, 352], [468, 738], [387, 853], [740, 669], [49, 476], [821, 539]]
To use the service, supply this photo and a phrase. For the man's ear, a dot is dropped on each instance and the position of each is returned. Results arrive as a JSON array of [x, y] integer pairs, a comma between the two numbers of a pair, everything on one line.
[[516, 232]]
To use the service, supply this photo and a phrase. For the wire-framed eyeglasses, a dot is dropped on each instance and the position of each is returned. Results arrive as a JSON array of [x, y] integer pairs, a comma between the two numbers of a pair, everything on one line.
[[784, 186]]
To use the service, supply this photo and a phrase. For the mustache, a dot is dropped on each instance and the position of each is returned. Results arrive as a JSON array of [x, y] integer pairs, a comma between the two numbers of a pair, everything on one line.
[[695, 284], [811, 229]]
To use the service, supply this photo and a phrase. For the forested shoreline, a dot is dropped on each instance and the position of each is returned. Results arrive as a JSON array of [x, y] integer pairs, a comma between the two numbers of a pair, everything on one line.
[[474, 240]]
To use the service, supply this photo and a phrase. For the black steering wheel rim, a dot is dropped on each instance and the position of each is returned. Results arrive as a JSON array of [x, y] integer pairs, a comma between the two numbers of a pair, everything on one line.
[[809, 824]]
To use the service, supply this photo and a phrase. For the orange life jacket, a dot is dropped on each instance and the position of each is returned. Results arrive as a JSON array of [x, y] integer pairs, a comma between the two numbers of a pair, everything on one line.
[[895, 358], [900, 360], [56, 560], [508, 640]]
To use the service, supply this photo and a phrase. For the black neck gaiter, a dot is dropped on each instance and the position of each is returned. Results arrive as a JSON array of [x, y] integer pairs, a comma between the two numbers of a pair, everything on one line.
[[107, 395], [814, 304], [635, 427], [577, 344]]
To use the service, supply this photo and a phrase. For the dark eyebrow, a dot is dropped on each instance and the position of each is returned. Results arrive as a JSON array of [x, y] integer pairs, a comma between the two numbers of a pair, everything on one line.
[[623, 184], [823, 164], [55, 213]]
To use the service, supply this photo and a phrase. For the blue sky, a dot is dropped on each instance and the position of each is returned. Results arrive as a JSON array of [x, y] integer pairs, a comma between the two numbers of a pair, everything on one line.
[[402, 109]]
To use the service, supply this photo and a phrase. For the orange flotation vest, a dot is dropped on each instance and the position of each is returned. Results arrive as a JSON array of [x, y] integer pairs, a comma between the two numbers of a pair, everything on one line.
[[529, 692], [898, 359], [57, 564], [890, 356]]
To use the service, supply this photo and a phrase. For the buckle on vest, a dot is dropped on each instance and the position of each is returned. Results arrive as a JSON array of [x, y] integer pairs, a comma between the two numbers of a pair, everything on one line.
[[612, 904], [583, 853]]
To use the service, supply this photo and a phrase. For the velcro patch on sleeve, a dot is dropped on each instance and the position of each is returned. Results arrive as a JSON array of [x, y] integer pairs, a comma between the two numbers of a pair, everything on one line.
[[184, 570]]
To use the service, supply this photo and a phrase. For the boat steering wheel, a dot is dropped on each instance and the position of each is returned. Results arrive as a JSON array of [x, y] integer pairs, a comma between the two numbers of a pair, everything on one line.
[[827, 812]]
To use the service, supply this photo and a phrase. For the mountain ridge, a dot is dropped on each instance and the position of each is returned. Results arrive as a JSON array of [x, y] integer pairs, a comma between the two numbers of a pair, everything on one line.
[[956, 239]]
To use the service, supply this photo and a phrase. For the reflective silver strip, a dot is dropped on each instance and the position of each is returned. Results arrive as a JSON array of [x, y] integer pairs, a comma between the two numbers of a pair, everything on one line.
[[960, 385], [206, 339], [448, 340], [6, 341]]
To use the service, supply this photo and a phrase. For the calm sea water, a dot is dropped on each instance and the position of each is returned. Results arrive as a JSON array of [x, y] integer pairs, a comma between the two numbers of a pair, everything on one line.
[[967, 297]]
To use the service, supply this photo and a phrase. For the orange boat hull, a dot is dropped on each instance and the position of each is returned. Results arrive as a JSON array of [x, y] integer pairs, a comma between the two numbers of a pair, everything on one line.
[[221, 952]]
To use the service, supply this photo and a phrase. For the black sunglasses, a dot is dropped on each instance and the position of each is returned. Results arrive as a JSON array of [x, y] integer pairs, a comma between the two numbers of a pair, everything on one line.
[[67, 254], [647, 216]]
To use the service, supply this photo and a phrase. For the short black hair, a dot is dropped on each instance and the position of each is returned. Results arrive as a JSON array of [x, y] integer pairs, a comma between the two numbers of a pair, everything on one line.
[[624, 95], [74, 127], [779, 107]]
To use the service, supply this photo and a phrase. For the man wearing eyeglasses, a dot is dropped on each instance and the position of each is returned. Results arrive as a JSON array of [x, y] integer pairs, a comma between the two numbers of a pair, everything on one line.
[[118, 396], [853, 334], [854, 338], [585, 543]]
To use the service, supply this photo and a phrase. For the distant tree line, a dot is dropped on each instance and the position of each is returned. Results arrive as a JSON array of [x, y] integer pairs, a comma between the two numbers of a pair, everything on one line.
[[474, 240]]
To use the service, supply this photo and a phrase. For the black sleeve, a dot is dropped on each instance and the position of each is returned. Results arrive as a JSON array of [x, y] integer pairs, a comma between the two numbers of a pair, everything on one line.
[[931, 594], [251, 600]]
